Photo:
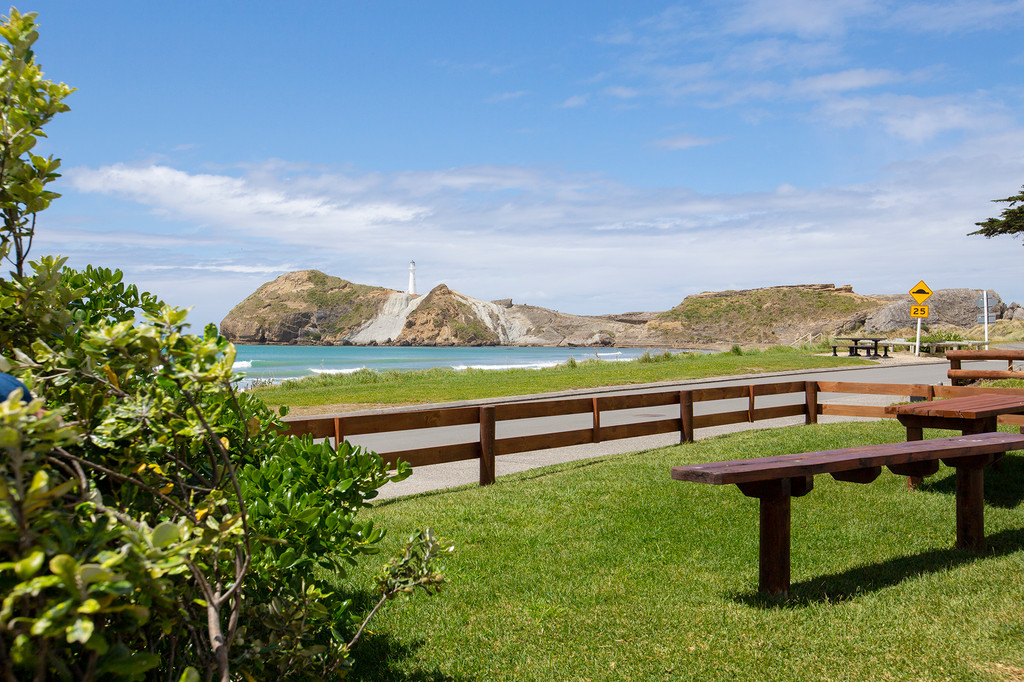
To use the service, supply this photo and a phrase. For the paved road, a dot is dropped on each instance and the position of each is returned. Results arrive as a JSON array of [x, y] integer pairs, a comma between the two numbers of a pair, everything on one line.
[[434, 477]]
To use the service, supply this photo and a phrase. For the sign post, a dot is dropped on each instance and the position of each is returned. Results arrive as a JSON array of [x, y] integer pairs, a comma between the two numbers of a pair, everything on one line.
[[920, 292], [983, 304]]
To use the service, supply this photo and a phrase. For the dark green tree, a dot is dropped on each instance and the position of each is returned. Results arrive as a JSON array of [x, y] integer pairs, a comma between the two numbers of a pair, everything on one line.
[[1011, 221]]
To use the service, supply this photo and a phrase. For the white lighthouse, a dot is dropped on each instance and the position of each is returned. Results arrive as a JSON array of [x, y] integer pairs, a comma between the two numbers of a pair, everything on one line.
[[412, 278]]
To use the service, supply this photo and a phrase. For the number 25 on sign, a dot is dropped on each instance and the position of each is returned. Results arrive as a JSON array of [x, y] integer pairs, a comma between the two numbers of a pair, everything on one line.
[[919, 311]]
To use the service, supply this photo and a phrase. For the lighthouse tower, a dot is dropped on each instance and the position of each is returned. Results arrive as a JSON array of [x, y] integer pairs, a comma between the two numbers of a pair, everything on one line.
[[412, 278]]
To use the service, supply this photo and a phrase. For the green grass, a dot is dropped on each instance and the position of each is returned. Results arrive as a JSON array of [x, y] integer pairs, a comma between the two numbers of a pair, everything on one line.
[[610, 570], [442, 385]]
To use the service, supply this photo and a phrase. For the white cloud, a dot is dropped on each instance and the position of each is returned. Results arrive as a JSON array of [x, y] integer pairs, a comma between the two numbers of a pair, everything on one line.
[[507, 96], [919, 119], [574, 101], [844, 81], [239, 203], [677, 142], [621, 92], [604, 246], [957, 17], [800, 17]]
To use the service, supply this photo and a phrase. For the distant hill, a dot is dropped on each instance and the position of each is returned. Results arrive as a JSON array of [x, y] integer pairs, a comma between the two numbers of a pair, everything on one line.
[[770, 315], [310, 307]]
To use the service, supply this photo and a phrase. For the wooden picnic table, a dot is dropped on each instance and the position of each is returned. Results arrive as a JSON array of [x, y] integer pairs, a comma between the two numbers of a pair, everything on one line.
[[855, 344], [968, 414]]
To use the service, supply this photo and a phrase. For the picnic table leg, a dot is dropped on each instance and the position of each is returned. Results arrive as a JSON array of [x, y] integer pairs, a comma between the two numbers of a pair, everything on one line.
[[987, 425], [914, 433]]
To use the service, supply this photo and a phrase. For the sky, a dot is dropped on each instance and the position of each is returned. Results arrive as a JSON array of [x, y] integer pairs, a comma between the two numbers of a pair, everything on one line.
[[588, 156]]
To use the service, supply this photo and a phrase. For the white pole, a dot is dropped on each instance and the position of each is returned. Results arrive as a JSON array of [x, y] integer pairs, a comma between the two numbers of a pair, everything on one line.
[[984, 298], [917, 348]]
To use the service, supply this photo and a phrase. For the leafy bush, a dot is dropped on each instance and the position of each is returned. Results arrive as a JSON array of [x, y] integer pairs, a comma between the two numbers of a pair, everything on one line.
[[940, 335], [154, 522]]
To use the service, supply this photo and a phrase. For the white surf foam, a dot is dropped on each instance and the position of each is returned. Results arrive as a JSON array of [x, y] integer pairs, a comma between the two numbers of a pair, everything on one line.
[[348, 370], [536, 365]]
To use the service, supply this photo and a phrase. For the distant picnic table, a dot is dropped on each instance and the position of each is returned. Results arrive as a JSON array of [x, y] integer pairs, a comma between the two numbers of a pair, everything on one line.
[[870, 346]]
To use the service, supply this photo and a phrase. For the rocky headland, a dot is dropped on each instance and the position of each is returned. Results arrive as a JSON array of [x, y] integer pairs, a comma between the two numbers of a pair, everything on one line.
[[310, 307]]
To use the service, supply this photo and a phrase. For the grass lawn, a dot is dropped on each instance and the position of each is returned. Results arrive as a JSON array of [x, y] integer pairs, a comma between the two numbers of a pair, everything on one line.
[[609, 570], [367, 387]]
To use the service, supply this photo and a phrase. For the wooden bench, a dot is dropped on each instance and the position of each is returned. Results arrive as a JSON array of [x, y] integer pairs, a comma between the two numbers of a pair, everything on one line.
[[960, 376], [774, 480]]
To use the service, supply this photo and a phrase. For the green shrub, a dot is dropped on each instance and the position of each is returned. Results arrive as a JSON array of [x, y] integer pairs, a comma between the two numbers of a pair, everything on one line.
[[154, 522]]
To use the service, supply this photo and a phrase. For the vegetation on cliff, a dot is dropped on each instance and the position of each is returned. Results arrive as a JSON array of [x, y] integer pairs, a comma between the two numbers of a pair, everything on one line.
[[770, 315], [305, 305], [443, 319]]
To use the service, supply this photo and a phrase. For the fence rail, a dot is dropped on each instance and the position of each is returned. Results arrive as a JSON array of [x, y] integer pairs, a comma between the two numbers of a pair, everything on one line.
[[486, 446]]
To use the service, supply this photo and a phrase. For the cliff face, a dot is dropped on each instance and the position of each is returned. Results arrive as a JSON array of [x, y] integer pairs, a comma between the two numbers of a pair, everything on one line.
[[305, 306], [310, 307]]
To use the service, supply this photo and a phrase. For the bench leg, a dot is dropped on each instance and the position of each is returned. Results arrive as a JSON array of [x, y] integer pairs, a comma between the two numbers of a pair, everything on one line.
[[773, 555], [773, 548], [970, 508]]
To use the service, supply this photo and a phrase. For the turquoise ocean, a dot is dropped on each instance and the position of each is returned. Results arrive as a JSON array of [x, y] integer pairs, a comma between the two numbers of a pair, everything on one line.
[[278, 363]]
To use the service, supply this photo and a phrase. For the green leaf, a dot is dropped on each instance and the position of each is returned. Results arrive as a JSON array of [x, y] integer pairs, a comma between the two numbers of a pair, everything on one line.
[[165, 533], [30, 565], [65, 567], [80, 631], [190, 675]]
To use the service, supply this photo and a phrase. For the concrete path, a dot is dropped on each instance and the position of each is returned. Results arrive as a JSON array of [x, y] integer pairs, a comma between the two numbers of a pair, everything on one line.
[[899, 370]]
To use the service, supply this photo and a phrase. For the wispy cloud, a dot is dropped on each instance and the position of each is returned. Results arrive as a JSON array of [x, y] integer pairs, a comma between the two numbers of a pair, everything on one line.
[[958, 16], [806, 18], [919, 119], [677, 142], [238, 202], [844, 81], [507, 96], [574, 101], [621, 92]]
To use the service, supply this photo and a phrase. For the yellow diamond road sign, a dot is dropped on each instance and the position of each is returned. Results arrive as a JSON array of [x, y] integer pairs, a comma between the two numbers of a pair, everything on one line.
[[921, 292]]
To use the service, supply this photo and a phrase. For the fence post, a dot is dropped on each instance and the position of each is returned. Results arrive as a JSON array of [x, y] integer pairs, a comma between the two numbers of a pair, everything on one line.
[[487, 445], [750, 407], [811, 392], [338, 433], [686, 416]]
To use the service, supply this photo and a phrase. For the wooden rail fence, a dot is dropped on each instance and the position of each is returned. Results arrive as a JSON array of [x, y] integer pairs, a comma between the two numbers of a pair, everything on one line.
[[961, 376], [487, 446]]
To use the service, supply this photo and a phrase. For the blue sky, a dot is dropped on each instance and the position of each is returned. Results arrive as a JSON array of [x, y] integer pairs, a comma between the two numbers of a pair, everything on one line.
[[592, 157]]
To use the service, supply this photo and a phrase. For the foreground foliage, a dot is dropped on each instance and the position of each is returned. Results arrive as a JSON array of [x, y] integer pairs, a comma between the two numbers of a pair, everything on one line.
[[611, 570], [154, 524]]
